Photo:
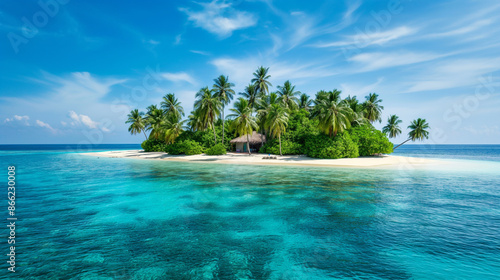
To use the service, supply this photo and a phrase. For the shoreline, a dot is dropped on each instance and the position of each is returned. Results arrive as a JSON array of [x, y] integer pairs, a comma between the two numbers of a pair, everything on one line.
[[385, 161]]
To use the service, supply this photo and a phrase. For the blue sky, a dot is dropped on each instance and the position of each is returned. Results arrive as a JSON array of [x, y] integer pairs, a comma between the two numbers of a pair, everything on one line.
[[72, 70]]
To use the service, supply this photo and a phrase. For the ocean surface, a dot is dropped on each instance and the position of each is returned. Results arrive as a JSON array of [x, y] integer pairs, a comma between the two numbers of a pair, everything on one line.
[[84, 217]]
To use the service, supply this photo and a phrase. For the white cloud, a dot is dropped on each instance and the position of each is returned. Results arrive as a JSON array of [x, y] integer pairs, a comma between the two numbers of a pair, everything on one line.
[[452, 74], [86, 120], [199, 52], [179, 77], [153, 42], [464, 29], [79, 85], [20, 118], [178, 39], [353, 6], [220, 18], [363, 39], [240, 70], [83, 119], [301, 27], [46, 125], [23, 119], [360, 90], [375, 61]]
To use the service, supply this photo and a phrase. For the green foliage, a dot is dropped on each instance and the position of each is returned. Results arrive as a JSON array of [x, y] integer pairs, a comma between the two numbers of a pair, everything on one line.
[[322, 146], [188, 147], [346, 145], [300, 126], [216, 150], [288, 147], [153, 145], [206, 138], [370, 140]]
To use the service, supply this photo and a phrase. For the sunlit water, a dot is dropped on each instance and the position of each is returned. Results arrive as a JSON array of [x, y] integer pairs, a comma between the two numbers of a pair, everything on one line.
[[83, 217]]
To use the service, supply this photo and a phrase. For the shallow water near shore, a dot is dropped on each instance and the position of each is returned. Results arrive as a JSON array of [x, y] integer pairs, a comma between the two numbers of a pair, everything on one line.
[[83, 217]]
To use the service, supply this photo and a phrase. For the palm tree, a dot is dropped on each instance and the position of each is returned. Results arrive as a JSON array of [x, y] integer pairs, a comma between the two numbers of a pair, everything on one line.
[[277, 120], [172, 106], [418, 131], [244, 121], [194, 121], [151, 108], [250, 94], [333, 116], [156, 121], [209, 106], [225, 93], [357, 110], [173, 128], [288, 95], [372, 108], [333, 95], [305, 102], [263, 105], [137, 122], [261, 80], [354, 104], [392, 128]]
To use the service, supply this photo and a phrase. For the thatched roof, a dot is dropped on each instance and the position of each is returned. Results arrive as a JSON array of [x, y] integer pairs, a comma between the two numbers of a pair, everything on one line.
[[254, 138]]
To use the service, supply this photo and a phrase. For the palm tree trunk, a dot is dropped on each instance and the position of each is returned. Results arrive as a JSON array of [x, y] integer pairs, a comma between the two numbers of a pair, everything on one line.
[[248, 144], [215, 135], [222, 124], [279, 137], [401, 144], [145, 134]]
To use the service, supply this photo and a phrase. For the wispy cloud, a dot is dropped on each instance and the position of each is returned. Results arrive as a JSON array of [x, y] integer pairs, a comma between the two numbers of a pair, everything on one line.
[[79, 85], [220, 18], [179, 77], [153, 42], [46, 125], [200, 52], [464, 29], [22, 119], [452, 74], [360, 90], [178, 39], [361, 39], [301, 27], [240, 70], [375, 61]]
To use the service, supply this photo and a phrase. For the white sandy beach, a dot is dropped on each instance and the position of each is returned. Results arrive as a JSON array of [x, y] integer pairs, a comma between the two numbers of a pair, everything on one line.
[[388, 161]]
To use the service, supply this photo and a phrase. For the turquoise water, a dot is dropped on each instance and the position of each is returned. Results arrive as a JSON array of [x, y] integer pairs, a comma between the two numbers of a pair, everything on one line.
[[83, 217], [468, 152]]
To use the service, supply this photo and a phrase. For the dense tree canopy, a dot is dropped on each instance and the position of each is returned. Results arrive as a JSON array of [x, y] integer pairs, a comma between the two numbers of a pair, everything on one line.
[[327, 126]]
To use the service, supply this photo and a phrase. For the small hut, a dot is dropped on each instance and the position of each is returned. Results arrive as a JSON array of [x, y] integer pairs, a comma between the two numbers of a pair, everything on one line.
[[256, 140]]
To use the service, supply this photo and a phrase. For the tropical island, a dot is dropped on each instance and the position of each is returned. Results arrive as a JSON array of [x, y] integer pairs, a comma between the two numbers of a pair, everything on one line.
[[280, 122]]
